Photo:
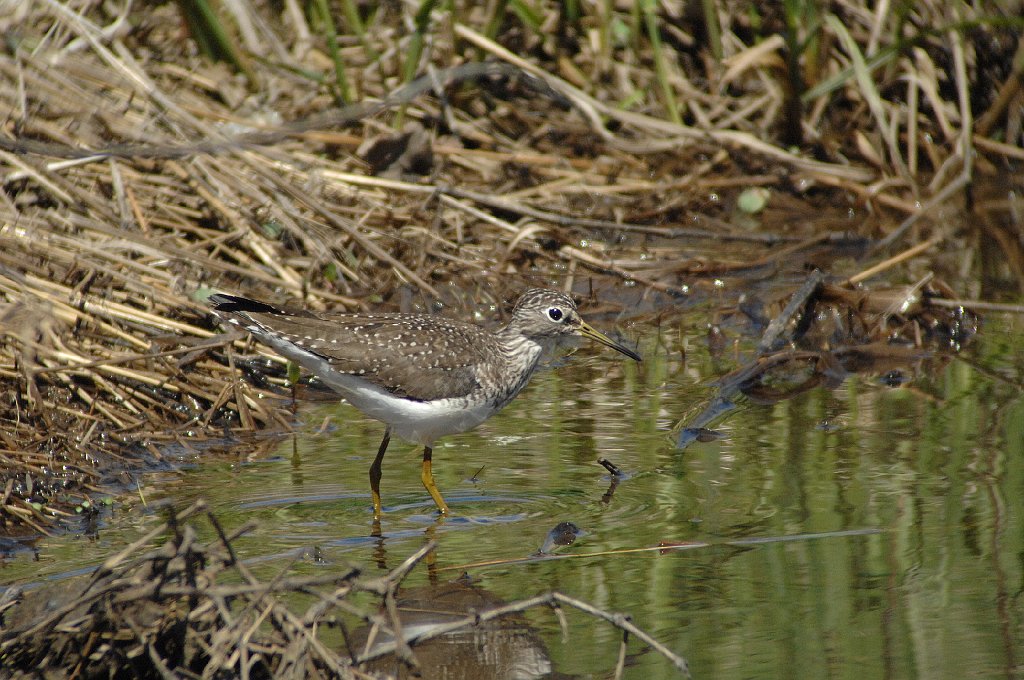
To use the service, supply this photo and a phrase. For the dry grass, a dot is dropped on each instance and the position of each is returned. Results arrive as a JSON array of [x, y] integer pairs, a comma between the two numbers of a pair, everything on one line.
[[623, 166]]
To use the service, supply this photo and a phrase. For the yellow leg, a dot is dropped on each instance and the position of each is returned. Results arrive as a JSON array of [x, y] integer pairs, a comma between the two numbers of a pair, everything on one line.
[[375, 473], [427, 476]]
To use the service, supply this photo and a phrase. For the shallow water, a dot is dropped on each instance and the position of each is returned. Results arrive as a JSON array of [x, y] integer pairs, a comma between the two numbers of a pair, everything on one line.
[[865, 531]]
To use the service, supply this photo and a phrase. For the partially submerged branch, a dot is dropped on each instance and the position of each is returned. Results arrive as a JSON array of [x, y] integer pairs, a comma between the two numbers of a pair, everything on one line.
[[191, 609]]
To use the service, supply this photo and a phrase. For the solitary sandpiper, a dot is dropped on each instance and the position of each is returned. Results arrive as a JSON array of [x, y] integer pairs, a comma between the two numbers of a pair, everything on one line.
[[423, 376]]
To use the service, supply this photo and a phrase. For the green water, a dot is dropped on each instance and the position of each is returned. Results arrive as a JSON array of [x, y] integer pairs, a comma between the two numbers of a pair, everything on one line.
[[903, 509]]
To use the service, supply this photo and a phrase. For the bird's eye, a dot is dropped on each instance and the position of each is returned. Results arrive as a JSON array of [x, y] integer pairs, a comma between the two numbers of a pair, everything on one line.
[[555, 314]]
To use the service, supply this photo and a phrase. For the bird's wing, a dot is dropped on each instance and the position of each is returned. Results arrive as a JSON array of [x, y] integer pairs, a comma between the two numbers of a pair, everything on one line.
[[422, 358]]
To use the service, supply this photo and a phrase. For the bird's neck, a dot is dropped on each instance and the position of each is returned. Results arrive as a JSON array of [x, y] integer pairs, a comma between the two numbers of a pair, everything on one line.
[[522, 355]]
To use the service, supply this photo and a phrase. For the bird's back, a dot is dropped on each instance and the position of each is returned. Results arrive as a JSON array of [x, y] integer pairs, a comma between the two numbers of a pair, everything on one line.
[[413, 356]]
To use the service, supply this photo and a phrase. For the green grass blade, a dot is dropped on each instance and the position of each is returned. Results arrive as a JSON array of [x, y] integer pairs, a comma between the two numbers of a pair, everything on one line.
[[326, 21], [355, 23], [649, 10], [212, 37], [712, 28]]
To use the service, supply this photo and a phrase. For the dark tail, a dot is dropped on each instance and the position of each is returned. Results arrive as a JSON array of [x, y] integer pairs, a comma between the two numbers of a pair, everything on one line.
[[234, 303]]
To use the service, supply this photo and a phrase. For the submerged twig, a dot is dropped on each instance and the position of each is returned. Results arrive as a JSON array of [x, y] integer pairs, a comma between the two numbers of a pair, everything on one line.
[[771, 341]]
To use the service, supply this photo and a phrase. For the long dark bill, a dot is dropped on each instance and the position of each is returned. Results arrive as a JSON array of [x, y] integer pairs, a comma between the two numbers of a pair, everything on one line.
[[589, 331]]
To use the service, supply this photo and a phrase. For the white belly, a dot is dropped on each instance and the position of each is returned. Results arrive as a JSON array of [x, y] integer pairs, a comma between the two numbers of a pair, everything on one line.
[[417, 421], [421, 422]]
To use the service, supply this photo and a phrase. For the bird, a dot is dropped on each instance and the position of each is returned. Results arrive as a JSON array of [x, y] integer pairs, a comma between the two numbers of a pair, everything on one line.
[[424, 376]]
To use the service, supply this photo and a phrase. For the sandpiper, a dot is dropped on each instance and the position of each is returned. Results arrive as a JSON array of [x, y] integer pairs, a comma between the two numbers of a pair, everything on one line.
[[423, 376]]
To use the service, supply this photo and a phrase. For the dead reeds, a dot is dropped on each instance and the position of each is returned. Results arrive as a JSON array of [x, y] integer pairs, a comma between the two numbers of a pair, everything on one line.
[[620, 161]]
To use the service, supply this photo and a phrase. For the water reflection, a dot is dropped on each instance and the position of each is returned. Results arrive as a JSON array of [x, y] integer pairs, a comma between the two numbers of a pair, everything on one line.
[[507, 648], [781, 577]]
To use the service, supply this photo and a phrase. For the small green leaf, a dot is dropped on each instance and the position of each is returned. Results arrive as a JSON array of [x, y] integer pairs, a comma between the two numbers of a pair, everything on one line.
[[753, 200], [272, 228], [202, 293]]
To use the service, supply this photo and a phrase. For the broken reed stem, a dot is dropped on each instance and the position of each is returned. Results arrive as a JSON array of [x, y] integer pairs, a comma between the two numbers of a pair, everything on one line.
[[978, 305], [891, 262]]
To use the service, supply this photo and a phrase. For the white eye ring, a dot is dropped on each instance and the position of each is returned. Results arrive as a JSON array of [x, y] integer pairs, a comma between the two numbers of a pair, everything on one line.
[[555, 314]]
